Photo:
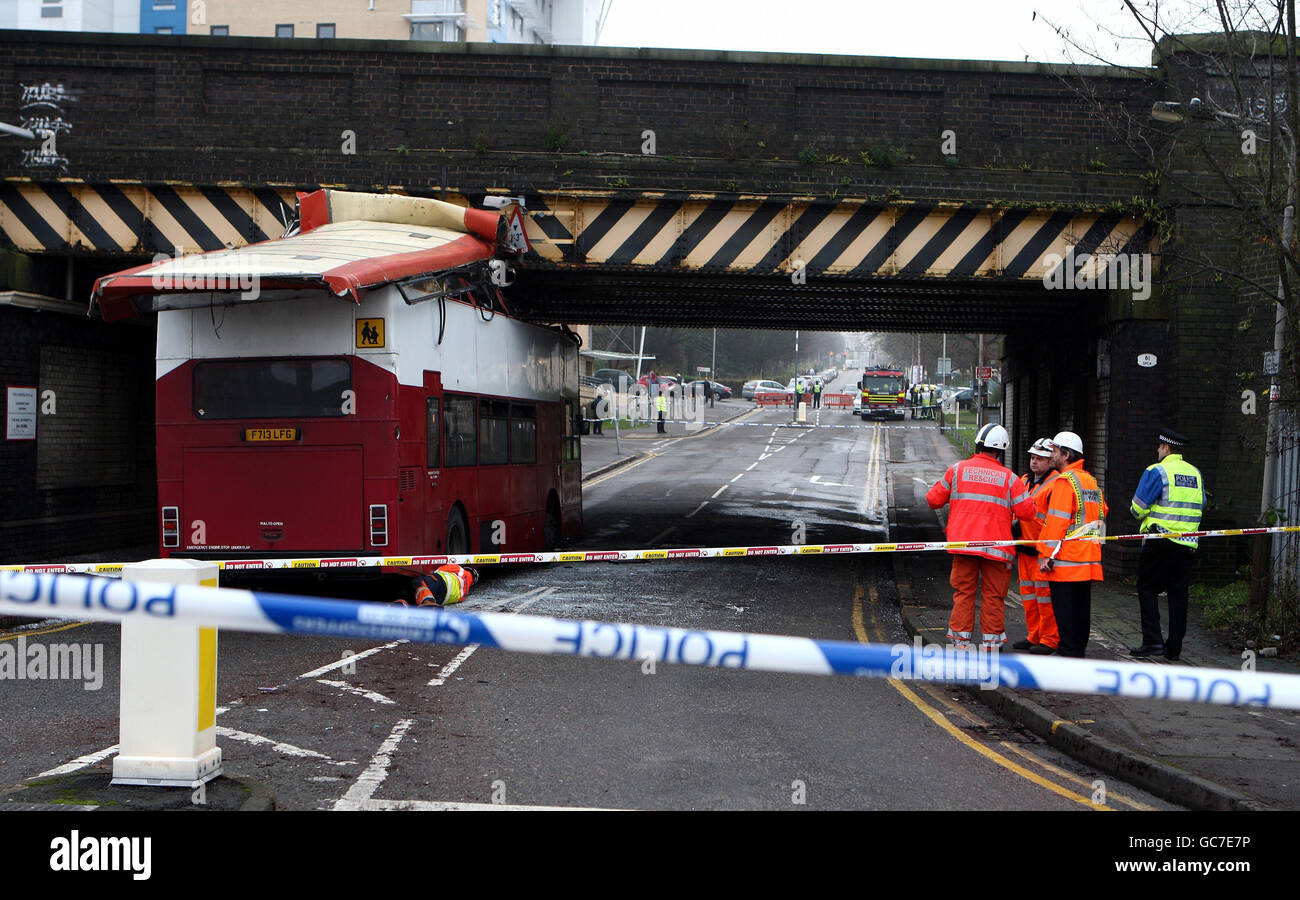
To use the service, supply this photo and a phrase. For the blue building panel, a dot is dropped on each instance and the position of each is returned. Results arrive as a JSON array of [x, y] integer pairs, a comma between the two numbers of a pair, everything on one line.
[[156, 15]]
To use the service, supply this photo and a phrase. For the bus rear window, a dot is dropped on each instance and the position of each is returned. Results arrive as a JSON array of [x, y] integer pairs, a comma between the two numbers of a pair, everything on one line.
[[271, 388]]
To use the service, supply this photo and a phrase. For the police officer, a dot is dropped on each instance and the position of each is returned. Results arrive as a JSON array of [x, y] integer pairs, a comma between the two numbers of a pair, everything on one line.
[[661, 405], [1169, 499]]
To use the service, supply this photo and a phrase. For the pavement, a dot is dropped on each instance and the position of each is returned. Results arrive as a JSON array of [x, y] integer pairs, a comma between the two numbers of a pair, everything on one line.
[[602, 453], [1195, 755]]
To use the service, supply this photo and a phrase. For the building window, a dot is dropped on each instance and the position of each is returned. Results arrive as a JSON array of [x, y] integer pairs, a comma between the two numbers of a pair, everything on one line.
[[284, 31], [325, 30], [162, 29], [220, 30], [435, 31], [51, 12]]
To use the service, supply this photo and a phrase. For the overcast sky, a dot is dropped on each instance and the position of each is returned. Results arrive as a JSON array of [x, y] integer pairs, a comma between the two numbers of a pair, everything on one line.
[[951, 29]]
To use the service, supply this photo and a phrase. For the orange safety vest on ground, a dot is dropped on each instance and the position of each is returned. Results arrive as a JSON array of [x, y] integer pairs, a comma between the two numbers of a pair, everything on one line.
[[983, 495], [1074, 502]]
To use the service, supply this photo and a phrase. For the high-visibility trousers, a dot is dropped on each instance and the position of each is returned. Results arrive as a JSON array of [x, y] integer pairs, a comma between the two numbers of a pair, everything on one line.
[[968, 572], [1036, 597]]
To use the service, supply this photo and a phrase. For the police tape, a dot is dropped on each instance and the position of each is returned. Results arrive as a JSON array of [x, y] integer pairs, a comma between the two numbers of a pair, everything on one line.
[[100, 600], [577, 556]]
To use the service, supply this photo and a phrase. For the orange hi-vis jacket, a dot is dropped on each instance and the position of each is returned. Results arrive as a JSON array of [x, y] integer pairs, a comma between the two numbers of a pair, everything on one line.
[[983, 495], [1031, 528], [1074, 504]]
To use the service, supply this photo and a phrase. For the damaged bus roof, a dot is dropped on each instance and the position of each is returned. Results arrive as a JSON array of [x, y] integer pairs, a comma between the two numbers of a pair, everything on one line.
[[347, 243]]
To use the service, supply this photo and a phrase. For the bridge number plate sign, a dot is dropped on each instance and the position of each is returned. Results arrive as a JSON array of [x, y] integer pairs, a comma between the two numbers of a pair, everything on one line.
[[370, 334], [1147, 360]]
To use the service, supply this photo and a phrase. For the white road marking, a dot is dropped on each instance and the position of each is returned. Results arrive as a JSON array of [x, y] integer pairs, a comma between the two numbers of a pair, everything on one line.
[[919, 480], [737, 478], [697, 509], [450, 806], [81, 762], [751, 466], [373, 696], [277, 746], [763, 456], [718, 491], [369, 781], [349, 660], [545, 592], [654, 540], [816, 479], [448, 670]]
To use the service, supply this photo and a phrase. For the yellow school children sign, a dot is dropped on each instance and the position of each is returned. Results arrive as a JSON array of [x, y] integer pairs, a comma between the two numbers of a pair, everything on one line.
[[370, 334]]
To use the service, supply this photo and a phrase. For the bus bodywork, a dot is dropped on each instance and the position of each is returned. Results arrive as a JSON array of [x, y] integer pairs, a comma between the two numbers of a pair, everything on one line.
[[419, 418]]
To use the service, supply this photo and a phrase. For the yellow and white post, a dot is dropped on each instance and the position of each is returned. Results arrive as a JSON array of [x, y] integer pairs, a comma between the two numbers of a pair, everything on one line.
[[169, 689]]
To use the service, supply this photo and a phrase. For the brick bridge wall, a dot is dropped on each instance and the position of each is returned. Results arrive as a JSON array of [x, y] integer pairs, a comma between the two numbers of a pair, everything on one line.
[[524, 119]]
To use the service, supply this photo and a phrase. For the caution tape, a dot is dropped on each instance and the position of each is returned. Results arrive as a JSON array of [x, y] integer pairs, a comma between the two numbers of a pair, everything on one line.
[[97, 599], [579, 556], [804, 425]]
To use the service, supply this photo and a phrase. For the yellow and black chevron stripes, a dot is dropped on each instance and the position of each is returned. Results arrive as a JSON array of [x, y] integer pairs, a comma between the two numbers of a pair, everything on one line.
[[133, 218], [760, 235], [697, 232]]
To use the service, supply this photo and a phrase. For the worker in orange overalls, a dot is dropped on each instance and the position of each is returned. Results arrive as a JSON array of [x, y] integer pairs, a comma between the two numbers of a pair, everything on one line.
[[983, 496], [447, 585], [1075, 507], [1035, 595]]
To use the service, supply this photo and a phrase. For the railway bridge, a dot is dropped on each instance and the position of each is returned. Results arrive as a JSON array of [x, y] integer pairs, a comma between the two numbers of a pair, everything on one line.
[[691, 188]]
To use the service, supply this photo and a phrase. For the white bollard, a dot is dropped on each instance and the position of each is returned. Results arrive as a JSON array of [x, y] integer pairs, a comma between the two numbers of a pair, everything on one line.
[[167, 721], [803, 411]]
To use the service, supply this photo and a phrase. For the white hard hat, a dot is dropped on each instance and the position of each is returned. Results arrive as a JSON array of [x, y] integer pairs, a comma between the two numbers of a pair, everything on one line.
[[994, 437], [1041, 447], [1070, 441]]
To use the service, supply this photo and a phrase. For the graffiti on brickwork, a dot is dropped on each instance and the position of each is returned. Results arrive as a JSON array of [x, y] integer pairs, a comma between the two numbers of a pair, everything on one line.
[[41, 111]]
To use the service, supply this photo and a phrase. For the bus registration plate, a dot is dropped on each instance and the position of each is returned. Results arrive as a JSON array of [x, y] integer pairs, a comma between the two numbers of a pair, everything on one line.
[[272, 434]]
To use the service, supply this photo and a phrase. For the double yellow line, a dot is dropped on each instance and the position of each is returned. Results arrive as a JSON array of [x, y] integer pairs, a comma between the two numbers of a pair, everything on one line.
[[938, 718]]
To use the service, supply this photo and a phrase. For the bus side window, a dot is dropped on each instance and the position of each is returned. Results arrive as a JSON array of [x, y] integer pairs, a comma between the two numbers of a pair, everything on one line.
[[433, 435], [523, 433], [461, 430], [493, 432], [572, 428]]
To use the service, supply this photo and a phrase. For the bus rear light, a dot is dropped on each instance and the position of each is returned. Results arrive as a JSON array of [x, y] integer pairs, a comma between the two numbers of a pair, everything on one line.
[[171, 526], [378, 525]]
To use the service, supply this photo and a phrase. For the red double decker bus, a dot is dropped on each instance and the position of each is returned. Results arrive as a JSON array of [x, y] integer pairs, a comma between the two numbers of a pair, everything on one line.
[[357, 389]]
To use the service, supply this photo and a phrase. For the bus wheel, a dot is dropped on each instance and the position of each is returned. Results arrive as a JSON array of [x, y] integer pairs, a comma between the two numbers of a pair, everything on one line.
[[552, 532], [457, 534]]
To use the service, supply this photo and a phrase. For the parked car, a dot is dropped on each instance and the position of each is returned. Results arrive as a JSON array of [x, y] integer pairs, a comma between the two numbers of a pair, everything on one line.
[[666, 380], [761, 387], [720, 391], [613, 376]]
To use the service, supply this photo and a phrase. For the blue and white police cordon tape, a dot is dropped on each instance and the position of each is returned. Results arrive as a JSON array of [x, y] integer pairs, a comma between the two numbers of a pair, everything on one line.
[[79, 597]]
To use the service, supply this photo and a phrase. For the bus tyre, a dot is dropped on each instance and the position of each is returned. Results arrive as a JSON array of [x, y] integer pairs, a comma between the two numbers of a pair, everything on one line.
[[551, 534], [457, 534]]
